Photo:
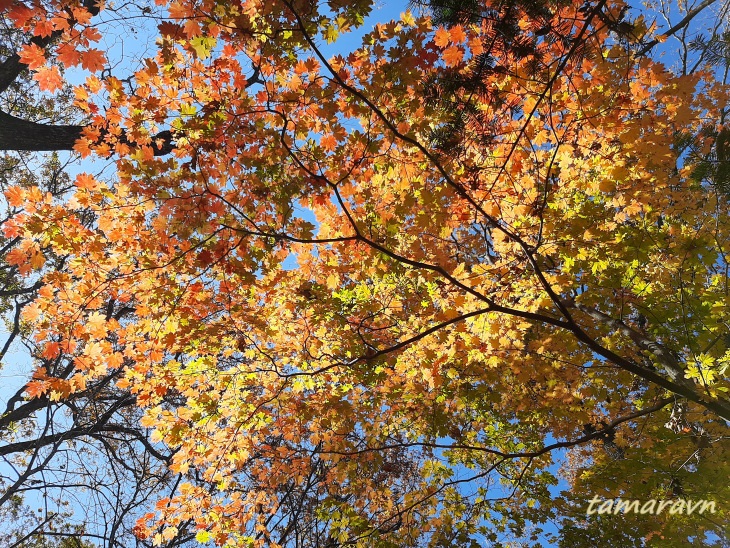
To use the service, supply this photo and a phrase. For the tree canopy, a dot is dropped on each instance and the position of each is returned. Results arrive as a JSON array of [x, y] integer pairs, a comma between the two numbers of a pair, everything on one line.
[[438, 288]]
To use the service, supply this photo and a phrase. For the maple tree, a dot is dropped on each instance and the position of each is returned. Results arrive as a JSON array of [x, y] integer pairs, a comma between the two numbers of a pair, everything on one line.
[[369, 297], [88, 447], [75, 469]]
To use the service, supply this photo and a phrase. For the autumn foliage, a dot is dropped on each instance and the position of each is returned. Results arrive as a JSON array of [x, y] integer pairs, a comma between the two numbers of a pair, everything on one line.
[[371, 298]]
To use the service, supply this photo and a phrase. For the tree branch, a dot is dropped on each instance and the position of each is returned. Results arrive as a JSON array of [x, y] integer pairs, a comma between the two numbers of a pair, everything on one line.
[[679, 26], [12, 67], [666, 359], [677, 383], [18, 134]]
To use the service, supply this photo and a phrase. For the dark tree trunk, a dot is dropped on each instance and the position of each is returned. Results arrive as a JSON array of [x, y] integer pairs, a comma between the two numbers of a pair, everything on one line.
[[17, 134]]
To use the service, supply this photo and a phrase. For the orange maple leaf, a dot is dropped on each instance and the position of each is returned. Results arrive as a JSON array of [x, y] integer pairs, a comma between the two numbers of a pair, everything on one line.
[[31, 312], [16, 256], [49, 79], [328, 142], [123, 383], [44, 28], [93, 59], [33, 56], [60, 388], [192, 28], [457, 34], [83, 147], [84, 181], [81, 15], [20, 14], [475, 46], [35, 388], [442, 38], [92, 34], [68, 55], [452, 56], [15, 196], [51, 350], [96, 325], [11, 228], [37, 260]]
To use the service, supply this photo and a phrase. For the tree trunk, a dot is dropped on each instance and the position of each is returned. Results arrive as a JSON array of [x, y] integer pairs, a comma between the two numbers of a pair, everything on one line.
[[17, 134]]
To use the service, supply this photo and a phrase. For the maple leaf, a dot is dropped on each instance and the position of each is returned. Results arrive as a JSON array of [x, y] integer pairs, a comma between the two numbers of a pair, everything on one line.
[[452, 56], [68, 55], [328, 142], [59, 389], [16, 256], [148, 421], [15, 196], [49, 79], [457, 34], [171, 30], [20, 14], [84, 181], [123, 383], [12, 229], [96, 325], [442, 37], [81, 15], [92, 34], [476, 47], [83, 147], [32, 312], [203, 537], [78, 382], [37, 260], [191, 28], [44, 28], [35, 389], [51, 350], [92, 59], [32, 55]]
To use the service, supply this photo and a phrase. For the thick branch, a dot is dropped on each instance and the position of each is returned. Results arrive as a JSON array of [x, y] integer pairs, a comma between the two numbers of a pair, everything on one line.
[[95, 430], [664, 357], [20, 290], [18, 134], [677, 384], [23, 412]]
